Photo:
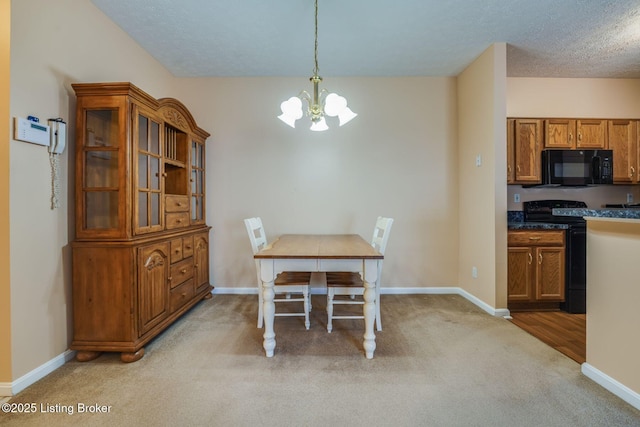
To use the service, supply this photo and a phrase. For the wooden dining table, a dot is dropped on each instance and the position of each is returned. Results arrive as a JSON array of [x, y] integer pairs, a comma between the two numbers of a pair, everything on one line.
[[324, 253]]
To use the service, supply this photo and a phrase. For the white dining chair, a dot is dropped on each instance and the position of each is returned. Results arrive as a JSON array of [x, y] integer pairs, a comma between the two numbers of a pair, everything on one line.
[[351, 284], [286, 284]]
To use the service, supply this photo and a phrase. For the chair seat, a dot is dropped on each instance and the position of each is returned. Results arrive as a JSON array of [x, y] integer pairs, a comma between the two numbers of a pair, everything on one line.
[[344, 279], [293, 278]]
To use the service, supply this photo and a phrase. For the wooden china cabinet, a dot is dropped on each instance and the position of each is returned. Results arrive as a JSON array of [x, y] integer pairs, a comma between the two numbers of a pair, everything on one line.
[[140, 258]]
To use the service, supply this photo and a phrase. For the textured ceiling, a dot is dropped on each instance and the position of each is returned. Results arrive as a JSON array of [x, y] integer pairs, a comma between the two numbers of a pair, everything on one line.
[[545, 38]]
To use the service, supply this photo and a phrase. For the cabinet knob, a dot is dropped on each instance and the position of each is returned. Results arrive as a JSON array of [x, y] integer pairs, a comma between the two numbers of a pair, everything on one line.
[[164, 174], [183, 271]]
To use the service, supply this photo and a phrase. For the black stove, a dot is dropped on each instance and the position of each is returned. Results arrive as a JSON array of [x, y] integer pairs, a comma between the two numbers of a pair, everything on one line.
[[576, 247], [542, 211]]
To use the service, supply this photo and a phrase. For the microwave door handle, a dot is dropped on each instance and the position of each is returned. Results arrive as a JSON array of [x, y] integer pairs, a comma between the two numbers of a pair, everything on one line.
[[595, 170]]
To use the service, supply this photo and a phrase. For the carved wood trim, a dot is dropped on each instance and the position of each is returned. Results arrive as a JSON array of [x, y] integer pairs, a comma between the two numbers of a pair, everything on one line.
[[154, 261]]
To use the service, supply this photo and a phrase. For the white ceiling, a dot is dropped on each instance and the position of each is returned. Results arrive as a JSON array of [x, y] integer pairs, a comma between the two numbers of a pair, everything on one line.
[[546, 38]]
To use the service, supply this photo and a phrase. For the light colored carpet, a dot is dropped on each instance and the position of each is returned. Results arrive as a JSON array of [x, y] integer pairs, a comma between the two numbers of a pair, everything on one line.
[[440, 361]]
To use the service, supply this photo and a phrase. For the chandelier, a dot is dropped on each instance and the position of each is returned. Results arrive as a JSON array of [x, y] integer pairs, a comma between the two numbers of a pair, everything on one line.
[[320, 105]]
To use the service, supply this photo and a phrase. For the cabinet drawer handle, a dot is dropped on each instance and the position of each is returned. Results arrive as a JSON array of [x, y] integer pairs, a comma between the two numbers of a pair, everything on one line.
[[539, 258], [183, 271], [534, 238], [530, 258], [570, 136], [579, 136], [633, 171]]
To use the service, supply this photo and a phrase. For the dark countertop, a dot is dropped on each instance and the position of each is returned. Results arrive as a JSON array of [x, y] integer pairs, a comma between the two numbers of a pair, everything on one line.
[[600, 213], [515, 221]]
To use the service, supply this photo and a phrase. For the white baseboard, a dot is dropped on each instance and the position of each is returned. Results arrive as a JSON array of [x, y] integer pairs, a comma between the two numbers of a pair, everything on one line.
[[500, 312], [604, 380], [15, 387]]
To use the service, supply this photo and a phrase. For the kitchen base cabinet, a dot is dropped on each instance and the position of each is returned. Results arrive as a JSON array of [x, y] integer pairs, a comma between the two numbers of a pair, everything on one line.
[[536, 269]]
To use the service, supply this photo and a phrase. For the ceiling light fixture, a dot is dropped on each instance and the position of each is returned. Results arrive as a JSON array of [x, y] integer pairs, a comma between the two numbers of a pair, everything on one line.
[[322, 104]]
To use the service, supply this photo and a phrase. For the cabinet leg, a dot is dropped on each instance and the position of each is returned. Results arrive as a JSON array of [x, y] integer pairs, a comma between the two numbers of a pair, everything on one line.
[[86, 356], [208, 295], [132, 357]]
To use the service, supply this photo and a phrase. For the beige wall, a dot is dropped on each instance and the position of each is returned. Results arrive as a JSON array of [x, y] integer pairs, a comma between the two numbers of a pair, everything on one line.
[[5, 276], [579, 98], [612, 304], [52, 45], [298, 181], [482, 197], [398, 158]]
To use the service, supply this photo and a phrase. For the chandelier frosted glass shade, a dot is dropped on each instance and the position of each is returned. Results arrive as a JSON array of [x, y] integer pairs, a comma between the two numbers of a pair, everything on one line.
[[331, 105]]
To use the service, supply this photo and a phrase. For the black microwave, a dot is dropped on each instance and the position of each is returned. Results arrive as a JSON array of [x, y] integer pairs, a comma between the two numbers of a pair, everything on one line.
[[577, 167]]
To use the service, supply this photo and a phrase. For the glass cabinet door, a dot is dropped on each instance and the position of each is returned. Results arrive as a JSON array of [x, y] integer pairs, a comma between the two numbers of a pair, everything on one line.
[[101, 170], [197, 182], [148, 199]]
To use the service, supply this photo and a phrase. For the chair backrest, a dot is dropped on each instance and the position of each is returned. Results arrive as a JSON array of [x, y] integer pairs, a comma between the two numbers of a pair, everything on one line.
[[381, 233], [258, 241], [256, 234]]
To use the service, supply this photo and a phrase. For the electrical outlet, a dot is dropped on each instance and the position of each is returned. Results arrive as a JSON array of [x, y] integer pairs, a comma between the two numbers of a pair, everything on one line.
[[474, 272], [478, 160], [629, 198], [516, 198]]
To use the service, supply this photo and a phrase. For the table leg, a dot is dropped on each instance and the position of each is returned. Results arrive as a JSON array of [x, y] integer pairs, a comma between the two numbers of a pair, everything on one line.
[[269, 310], [369, 309]]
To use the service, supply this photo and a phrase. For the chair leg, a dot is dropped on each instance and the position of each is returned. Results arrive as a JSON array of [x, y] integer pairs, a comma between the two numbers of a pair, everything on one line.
[[378, 321], [260, 303], [305, 295], [329, 309]]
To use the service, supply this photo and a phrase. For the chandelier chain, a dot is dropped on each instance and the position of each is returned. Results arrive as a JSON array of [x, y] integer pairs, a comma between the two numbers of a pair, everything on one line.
[[316, 69]]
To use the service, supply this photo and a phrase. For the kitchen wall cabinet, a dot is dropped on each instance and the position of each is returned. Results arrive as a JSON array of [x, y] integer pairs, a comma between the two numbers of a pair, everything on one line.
[[560, 133], [536, 269], [526, 137], [592, 134], [524, 141], [624, 140], [140, 259]]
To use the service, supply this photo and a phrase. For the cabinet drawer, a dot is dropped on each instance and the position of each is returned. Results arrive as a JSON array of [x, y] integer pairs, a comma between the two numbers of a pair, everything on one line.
[[181, 295], [181, 271], [177, 220], [536, 238], [187, 246], [176, 250], [174, 203]]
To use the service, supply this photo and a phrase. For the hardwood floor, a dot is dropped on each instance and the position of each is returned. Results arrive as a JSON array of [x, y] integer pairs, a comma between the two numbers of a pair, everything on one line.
[[563, 331]]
